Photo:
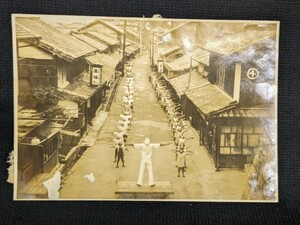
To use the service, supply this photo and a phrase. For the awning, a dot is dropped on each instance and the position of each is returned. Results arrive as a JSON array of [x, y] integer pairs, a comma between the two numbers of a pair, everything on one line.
[[33, 52], [81, 87], [183, 63], [210, 99], [91, 41], [247, 113], [180, 83]]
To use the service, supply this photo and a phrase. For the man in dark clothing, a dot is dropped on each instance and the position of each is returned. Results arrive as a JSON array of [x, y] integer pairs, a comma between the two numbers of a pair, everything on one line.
[[119, 154]]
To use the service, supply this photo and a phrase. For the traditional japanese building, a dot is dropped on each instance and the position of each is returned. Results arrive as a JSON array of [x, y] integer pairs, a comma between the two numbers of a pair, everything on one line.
[[112, 35], [197, 58], [232, 113], [39, 144], [51, 60]]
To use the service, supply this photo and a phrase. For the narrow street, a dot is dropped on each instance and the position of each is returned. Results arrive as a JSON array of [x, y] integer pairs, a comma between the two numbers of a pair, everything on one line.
[[149, 120]]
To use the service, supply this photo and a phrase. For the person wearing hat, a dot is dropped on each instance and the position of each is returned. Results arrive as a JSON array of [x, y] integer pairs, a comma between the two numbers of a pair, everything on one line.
[[119, 154], [146, 151]]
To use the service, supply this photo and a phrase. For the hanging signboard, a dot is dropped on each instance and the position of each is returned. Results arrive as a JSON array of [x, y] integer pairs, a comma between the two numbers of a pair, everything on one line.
[[96, 75], [160, 66]]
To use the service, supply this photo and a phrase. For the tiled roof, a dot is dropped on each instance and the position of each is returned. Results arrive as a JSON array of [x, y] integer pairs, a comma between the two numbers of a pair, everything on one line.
[[248, 113], [180, 83], [117, 55], [81, 87], [27, 125], [183, 63], [209, 99], [90, 41], [108, 62], [47, 130], [168, 51], [55, 41], [23, 33], [165, 51], [102, 37], [109, 25], [130, 49], [239, 41]]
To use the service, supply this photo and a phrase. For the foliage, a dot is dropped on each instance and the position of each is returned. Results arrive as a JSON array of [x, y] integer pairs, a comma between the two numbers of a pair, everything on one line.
[[44, 100]]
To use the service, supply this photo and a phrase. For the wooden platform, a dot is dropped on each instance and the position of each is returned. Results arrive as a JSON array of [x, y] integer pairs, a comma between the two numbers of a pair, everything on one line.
[[129, 190]]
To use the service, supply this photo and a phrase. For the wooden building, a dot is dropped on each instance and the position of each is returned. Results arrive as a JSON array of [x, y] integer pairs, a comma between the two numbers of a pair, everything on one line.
[[54, 60], [232, 113], [197, 58], [39, 142], [112, 35]]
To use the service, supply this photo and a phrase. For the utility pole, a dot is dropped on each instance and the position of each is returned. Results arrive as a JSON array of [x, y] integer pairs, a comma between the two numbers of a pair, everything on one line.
[[152, 59], [124, 53], [190, 74], [141, 48]]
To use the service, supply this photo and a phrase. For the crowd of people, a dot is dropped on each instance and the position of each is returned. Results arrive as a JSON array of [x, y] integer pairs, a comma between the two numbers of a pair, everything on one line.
[[124, 122], [176, 120], [169, 105]]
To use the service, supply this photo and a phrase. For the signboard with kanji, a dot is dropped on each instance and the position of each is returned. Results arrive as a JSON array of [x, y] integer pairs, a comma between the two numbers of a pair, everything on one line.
[[95, 75]]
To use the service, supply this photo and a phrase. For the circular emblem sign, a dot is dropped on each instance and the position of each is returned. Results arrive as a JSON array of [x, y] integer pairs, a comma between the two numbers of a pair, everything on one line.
[[252, 73]]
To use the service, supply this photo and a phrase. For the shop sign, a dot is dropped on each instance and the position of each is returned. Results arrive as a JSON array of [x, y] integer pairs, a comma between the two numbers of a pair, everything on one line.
[[160, 66], [95, 75], [252, 73]]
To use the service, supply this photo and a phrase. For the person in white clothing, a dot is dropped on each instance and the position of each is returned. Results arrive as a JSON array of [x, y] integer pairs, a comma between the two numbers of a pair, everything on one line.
[[146, 151]]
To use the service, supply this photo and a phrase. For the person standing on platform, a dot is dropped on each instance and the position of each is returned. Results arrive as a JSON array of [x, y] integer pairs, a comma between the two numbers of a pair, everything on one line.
[[146, 151]]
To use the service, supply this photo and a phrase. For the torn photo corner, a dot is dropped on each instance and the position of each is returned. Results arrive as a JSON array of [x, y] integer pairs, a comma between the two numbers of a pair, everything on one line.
[[145, 109]]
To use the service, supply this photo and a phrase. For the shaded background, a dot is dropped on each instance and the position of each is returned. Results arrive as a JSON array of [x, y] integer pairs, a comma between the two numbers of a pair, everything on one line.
[[285, 212]]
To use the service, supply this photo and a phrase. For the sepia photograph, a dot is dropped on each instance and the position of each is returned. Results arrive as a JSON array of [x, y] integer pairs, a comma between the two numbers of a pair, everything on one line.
[[145, 109]]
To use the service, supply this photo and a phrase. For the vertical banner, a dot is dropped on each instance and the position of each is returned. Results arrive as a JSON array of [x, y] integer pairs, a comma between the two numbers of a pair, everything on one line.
[[95, 75], [160, 66]]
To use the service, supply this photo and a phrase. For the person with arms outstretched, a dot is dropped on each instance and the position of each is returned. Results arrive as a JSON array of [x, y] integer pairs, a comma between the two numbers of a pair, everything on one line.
[[146, 151]]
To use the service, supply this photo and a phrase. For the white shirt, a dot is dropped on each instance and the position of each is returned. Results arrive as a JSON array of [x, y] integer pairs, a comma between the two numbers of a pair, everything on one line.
[[146, 150]]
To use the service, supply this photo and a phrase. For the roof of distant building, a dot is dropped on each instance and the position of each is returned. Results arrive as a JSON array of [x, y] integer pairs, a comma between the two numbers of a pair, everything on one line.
[[90, 41], [183, 63], [109, 25], [102, 37], [234, 43]]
